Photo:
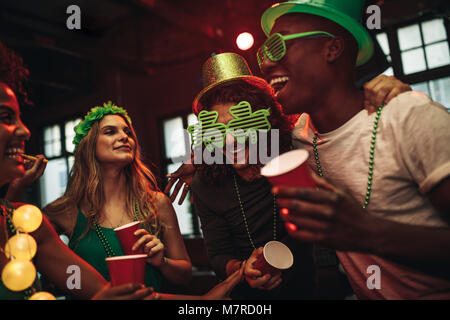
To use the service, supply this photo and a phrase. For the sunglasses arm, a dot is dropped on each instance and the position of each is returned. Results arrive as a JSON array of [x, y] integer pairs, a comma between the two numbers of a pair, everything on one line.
[[306, 34]]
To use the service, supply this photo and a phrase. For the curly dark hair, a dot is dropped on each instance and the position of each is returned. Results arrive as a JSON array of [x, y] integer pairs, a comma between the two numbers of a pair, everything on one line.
[[13, 73], [260, 96]]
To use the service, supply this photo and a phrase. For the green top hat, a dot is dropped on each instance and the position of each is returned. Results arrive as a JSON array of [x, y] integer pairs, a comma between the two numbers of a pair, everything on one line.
[[346, 13], [222, 69]]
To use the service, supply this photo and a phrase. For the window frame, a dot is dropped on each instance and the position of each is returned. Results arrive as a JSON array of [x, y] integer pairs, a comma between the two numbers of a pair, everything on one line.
[[165, 161], [396, 52], [64, 153]]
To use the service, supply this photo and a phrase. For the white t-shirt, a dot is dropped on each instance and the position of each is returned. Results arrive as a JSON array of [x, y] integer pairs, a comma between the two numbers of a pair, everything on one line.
[[412, 155]]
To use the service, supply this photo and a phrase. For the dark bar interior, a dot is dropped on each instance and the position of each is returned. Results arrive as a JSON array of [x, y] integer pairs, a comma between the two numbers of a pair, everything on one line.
[[167, 64]]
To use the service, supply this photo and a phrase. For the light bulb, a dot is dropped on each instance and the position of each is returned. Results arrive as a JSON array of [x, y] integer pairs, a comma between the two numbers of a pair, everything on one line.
[[42, 295], [245, 41], [27, 218], [18, 274], [21, 246]]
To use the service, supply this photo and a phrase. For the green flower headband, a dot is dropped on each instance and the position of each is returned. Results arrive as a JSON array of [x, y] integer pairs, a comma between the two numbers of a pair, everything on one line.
[[95, 114]]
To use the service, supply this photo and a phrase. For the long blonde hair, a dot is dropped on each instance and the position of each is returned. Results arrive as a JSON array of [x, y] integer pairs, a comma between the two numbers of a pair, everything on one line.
[[85, 183]]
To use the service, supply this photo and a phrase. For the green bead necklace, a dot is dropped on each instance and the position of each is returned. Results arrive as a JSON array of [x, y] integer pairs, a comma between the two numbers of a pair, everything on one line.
[[371, 156], [7, 211], [104, 241], [245, 218]]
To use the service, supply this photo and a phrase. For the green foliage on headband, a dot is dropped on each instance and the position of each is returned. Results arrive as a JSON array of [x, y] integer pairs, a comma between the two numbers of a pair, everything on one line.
[[96, 114]]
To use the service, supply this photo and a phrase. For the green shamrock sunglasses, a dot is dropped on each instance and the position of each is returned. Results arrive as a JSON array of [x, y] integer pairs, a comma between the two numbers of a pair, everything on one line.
[[274, 47]]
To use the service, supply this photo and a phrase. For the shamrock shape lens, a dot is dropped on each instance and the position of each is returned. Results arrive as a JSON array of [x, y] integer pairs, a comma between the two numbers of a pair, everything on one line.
[[244, 125]]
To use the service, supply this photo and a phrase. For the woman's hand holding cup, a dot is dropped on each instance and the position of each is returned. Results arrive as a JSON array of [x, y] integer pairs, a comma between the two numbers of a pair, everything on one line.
[[152, 245]]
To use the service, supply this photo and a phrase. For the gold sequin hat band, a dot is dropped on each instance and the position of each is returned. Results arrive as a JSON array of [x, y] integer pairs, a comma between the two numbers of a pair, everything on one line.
[[220, 69]]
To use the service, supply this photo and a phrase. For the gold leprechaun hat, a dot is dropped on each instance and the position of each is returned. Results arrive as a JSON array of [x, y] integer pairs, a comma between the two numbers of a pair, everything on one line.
[[221, 69]]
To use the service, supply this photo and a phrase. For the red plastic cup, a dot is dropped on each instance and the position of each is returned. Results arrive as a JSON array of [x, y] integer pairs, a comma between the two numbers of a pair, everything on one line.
[[289, 169], [276, 257], [126, 269], [127, 238]]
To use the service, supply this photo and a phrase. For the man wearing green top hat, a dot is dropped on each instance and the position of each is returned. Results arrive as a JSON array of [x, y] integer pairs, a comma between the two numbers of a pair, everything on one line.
[[383, 179]]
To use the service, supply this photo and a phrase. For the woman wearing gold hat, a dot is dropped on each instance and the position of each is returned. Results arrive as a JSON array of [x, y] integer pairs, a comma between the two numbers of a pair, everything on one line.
[[238, 215]]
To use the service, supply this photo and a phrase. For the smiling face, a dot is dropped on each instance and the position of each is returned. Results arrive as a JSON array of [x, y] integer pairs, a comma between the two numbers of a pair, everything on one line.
[[236, 154], [115, 143], [13, 134], [298, 78]]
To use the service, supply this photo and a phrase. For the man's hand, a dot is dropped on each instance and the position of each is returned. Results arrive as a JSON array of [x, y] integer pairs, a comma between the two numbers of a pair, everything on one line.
[[329, 216], [130, 291], [254, 277], [381, 90], [184, 175]]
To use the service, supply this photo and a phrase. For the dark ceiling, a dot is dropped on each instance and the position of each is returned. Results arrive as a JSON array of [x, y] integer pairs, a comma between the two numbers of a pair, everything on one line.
[[167, 30], [144, 36]]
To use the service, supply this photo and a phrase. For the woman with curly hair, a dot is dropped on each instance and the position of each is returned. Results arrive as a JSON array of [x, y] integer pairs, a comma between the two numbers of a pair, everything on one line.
[[109, 186]]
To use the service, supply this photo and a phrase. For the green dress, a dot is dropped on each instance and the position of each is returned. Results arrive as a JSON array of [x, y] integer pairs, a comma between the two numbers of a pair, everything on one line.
[[91, 249]]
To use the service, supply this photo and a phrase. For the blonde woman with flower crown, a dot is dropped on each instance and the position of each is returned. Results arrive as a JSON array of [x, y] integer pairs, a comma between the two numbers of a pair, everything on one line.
[[109, 186]]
